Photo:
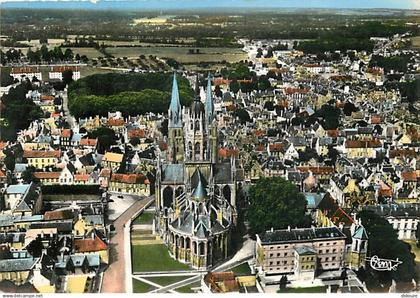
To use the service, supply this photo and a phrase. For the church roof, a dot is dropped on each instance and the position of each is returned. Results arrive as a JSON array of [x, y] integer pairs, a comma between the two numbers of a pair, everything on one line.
[[200, 191], [173, 173], [360, 233]]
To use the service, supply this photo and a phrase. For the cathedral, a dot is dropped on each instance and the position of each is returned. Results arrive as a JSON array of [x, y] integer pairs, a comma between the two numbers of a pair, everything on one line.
[[196, 193]]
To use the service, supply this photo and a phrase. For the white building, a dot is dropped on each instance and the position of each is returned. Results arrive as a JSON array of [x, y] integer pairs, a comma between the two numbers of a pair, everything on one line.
[[29, 72], [56, 72]]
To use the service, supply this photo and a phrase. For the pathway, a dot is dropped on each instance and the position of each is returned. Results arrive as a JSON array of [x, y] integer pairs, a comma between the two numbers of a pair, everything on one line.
[[115, 280]]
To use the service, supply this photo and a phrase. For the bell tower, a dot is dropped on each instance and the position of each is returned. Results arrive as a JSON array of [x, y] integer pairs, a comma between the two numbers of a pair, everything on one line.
[[175, 132]]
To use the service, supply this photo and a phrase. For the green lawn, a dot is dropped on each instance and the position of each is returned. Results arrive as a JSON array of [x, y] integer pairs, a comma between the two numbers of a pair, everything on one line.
[[154, 257], [144, 218], [242, 269], [321, 289], [188, 288], [167, 280], [69, 197], [141, 287]]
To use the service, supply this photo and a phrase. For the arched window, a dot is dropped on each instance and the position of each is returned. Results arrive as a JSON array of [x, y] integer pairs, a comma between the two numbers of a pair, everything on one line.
[[197, 150]]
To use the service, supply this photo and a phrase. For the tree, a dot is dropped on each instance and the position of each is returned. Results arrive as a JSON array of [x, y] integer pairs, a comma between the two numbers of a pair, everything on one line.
[[276, 203], [234, 86], [217, 91], [283, 282], [28, 175], [135, 141], [384, 242], [349, 108], [67, 76], [10, 161], [243, 115], [106, 137], [269, 105]]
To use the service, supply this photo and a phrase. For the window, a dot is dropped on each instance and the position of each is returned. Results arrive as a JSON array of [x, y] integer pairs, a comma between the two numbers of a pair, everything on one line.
[[278, 254], [285, 254], [320, 251], [321, 244], [284, 262], [333, 264], [334, 250], [278, 262], [271, 263], [327, 258], [333, 258], [327, 251], [271, 255]]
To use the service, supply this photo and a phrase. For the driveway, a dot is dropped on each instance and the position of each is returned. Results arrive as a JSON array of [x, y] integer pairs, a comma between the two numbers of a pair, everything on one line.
[[115, 276]]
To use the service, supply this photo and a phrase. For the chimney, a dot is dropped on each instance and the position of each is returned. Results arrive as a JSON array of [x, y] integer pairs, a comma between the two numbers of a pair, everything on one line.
[[272, 230], [288, 228]]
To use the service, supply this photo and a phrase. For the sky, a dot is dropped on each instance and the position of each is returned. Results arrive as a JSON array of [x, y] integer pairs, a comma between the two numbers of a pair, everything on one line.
[[196, 4]]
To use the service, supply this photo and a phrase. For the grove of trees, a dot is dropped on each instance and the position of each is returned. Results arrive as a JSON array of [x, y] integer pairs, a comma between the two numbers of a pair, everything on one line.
[[276, 203], [132, 94]]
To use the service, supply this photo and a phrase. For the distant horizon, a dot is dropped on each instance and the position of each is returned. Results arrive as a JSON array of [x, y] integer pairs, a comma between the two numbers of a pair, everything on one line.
[[171, 5]]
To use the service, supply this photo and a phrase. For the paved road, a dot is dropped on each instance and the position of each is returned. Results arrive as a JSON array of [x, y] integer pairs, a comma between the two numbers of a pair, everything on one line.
[[115, 276], [69, 118]]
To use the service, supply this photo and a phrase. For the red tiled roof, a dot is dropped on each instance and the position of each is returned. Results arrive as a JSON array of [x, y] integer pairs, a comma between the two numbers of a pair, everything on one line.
[[66, 133], [105, 173], [47, 97], [226, 152], [260, 132], [116, 122], [41, 154], [163, 146], [317, 170], [136, 133], [2, 145], [47, 175], [276, 147], [64, 68], [81, 177], [376, 119], [2, 174], [89, 245], [27, 69], [409, 176], [291, 90], [88, 142], [58, 214], [363, 143], [130, 178], [333, 133], [402, 153]]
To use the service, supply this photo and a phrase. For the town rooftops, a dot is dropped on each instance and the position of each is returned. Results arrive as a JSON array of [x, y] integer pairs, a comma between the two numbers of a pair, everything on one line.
[[113, 157], [64, 68], [16, 265], [363, 143], [47, 175], [130, 178], [301, 235], [88, 142], [41, 154], [18, 189], [90, 245], [26, 69]]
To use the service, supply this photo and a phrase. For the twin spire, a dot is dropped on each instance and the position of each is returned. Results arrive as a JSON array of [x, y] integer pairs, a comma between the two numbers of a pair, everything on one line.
[[175, 111]]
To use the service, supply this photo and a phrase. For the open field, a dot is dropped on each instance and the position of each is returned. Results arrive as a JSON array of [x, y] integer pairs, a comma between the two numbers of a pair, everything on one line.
[[416, 42], [242, 269], [89, 52], [154, 257], [188, 288], [141, 287], [322, 289], [181, 54], [167, 280], [69, 197], [144, 218]]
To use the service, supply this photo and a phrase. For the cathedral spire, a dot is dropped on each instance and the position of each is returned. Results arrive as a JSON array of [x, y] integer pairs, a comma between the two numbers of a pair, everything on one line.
[[209, 101], [175, 106]]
